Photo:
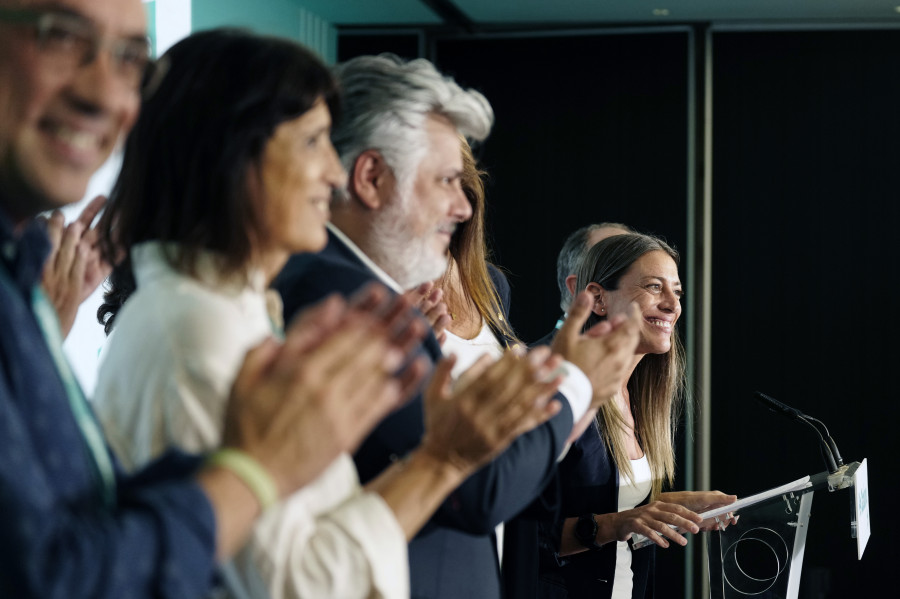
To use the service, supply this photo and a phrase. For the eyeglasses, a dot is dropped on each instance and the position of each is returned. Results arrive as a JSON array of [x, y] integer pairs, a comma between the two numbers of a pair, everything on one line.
[[70, 41]]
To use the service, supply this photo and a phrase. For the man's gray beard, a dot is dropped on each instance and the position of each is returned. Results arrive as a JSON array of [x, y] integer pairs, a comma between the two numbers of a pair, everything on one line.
[[409, 260]]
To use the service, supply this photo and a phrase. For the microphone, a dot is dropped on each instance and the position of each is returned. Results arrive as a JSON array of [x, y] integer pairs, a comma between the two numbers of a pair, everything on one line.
[[777, 406], [829, 450], [831, 444]]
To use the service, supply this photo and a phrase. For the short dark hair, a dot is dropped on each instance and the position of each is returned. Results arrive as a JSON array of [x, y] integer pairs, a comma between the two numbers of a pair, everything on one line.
[[186, 163]]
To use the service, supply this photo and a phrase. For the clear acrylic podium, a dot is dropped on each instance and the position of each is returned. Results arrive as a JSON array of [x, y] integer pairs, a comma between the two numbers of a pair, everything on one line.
[[762, 556]]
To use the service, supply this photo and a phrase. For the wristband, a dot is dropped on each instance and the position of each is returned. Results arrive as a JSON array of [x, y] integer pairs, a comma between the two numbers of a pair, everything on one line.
[[251, 473]]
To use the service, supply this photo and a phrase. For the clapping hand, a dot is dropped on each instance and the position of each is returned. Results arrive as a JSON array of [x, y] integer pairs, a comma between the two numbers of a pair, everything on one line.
[[469, 422], [296, 405], [429, 300], [75, 266], [603, 352]]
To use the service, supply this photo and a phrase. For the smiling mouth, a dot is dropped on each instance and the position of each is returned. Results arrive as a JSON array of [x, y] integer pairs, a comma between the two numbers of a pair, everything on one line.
[[663, 325], [76, 140]]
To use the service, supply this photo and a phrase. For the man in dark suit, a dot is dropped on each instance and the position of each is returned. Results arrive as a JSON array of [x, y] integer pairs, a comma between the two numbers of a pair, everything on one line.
[[399, 141]]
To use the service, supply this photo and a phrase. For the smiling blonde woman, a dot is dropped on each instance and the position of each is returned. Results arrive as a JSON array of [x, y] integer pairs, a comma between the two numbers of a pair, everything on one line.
[[627, 456]]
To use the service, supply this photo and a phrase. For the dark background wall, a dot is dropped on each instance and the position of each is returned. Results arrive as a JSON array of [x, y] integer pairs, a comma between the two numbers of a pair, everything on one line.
[[588, 129], [805, 272], [596, 126]]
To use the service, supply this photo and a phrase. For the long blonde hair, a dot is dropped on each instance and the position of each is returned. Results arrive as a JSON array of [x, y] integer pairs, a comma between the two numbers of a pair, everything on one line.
[[656, 386], [469, 249]]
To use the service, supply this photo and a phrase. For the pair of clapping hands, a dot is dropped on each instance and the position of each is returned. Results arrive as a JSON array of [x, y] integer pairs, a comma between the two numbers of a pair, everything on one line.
[[603, 352], [344, 365], [75, 266]]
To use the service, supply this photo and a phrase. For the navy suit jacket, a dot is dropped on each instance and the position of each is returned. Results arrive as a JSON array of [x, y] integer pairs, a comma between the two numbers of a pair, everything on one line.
[[454, 555]]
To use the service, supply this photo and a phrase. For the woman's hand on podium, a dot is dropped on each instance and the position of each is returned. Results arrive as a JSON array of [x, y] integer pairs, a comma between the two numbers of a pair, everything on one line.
[[703, 501], [659, 521]]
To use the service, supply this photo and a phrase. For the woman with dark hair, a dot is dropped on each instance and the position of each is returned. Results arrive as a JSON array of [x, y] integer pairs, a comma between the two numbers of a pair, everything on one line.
[[628, 453], [228, 171], [118, 288]]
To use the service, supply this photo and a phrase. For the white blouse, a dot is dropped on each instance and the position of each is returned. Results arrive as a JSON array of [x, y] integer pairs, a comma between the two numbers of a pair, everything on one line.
[[631, 494], [165, 381]]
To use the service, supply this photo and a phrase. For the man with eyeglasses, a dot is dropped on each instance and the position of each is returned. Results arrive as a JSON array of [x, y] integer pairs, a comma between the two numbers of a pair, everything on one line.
[[71, 524], [58, 129]]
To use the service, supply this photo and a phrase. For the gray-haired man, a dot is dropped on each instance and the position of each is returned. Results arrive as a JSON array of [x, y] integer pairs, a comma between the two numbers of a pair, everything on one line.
[[399, 141]]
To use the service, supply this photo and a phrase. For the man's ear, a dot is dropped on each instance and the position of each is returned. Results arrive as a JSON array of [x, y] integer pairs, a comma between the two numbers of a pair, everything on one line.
[[371, 180], [570, 284], [598, 292]]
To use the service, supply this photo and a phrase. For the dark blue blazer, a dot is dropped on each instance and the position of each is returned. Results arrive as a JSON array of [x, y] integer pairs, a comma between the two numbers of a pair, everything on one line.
[[454, 555], [589, 483]]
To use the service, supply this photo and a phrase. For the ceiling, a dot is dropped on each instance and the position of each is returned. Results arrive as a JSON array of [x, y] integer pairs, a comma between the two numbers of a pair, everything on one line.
[[476, 14]]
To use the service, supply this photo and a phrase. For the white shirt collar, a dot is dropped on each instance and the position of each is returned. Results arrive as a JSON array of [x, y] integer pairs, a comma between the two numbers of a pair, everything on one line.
[[149, 263], [383, 276], [149, 260]]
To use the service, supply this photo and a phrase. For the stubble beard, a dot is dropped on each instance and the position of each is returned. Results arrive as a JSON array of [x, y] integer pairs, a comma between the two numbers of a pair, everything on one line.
[[408, 259]]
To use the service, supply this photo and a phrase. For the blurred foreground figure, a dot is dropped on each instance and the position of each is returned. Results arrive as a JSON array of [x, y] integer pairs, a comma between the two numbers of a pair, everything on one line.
[[73, 524]]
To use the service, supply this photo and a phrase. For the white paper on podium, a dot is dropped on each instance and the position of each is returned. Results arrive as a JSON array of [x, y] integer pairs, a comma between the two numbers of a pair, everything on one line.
[[638, 540], [861, 507], [797, 485]]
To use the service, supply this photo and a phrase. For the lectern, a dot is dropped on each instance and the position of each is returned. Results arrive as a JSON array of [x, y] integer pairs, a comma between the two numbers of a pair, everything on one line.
[[762, 555]]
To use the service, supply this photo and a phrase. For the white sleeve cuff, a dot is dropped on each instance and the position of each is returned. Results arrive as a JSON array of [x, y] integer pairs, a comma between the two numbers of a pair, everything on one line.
[[370, 522], [329, 539], [577, 389]]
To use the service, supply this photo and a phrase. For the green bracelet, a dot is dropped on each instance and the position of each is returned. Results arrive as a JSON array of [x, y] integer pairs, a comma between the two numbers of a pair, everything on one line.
[[251, 472]]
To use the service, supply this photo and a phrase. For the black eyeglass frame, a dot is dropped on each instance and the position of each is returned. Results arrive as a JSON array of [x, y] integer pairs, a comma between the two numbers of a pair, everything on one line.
[[83, 31]]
